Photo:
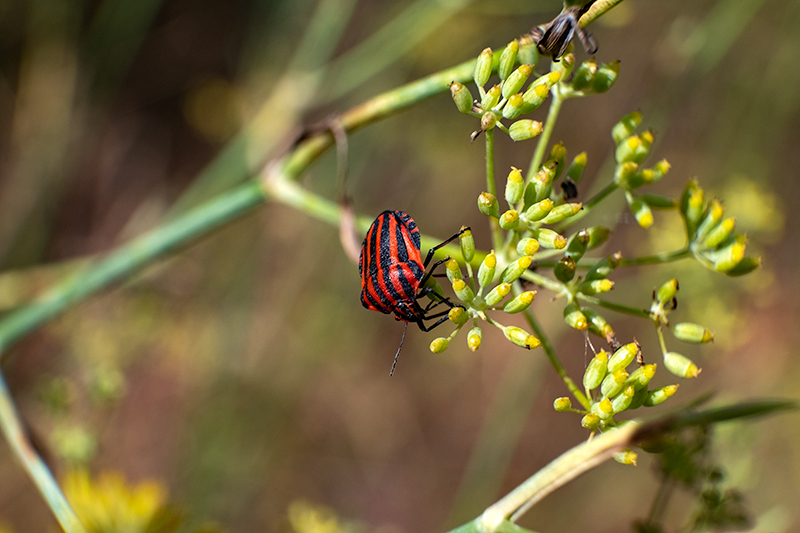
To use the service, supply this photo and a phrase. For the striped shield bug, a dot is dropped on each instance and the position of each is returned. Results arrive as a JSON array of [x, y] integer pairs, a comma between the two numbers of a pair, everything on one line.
[[393, 275]]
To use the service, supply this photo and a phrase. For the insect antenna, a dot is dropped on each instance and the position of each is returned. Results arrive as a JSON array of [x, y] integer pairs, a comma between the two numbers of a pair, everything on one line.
[[402, 340]]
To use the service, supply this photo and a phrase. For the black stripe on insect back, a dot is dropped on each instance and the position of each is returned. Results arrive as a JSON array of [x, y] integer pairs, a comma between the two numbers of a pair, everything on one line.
[[385, 305], [386, 259], [412, 228]]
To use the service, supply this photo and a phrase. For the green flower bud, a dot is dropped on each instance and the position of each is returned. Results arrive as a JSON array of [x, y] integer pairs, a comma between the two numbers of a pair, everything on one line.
[[439, 344], [643, 177], [513, 107], [487, 269], [535, 96], [641, 377], [558, 155], [576, 168], [692, 202], [562, 404], [660, 170], [596, 371], [625, 173], [632, 149], [457, 315], [527, 246], [516, 80], [590, 421], [461, 96], [539, 187], [488, 121], [641, 211], [565, 269], [626, 126], [606, 76], [658, 396], [490, 98], [508, 59], [539, 210], [525, 129], [453, 270], [562, 212], [639, 397], [584, 75], [597, 236], [515, 269], [515, 186], [694, 333], [659, 202], [596, 286], [467, 242], [487, 204], [497, 294], [575, 318], [623, 356], [714, 212], [550, 239], [604, 267], [463, 291], [564, 65], [726, 259], [680, 365], [613, 383], [623, 400], [745, 266], [528, 51], [667, 292], [626, 457], [509, 220], [604, 409], [474, 338], [520, 337], [597, 324], [577, 245], [720, 234], [483, 67], [433, 284], [519, 303]]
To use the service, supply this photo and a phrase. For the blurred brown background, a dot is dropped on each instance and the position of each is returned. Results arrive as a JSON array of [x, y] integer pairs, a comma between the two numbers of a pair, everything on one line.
[[243, 374]]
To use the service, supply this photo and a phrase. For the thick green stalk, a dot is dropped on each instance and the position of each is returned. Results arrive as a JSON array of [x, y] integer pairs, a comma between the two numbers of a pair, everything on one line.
[[657, 259], [547, 132]]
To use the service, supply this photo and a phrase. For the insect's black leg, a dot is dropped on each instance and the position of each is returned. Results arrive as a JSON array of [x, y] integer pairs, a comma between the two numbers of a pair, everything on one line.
[[438, 322], [432, 250], [430, 271]]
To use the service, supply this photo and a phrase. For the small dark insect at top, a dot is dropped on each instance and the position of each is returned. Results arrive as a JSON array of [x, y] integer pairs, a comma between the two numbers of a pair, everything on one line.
[[553, 38]]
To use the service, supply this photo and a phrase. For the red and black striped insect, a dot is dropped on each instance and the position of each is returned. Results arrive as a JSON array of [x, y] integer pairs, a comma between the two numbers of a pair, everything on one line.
[[393, 275]]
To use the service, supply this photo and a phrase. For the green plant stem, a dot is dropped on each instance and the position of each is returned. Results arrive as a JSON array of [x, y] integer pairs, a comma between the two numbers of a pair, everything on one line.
[[547, 132], [656, 259], [491, 186], [620, 308], [601, 195], [597, 9], [544, 281], [37, 470], [553, 357]]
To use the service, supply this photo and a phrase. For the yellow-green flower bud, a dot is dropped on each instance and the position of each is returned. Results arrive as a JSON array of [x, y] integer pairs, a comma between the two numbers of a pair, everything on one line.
[[457, 315], [515, 186], [613, 383], [562, 404], [692, 203], [726, 259], [509, 220], [626, 126], [527, 246], [515, 269], [680, 365], [596, 371], [474, 338], [694, 333], [487, 204], [632, 149], [745, 266], [565, 269], [577, 245], [667, 292], [550, 239], [584, 75], [597, 324], [516, 80], [564, 65], [604, 409], [720, 234], [433, 284], [605, 77], [488, 121], [597, 236], [467, 242], [558, 155], [658, 396], [562, 212], [519, 303], [487, 269], [623, 357], [625, 173], [643, 177], [639, 397], [641, 377], [660, 169], [453, 270], [590, 421], [623, 400], [461, 96], [439, 344], [497, 294], [596, 286], [539, 210], [513, 107], [520, 337], [657, 201], [714, 212], [539, 187], [528, 51], [525, 129], [604, 267], [575, 318], [535, 96], [626, 457], [491, 98], [463, 291], [483, 67], [508, 59], [642, 213], [575, 171]]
